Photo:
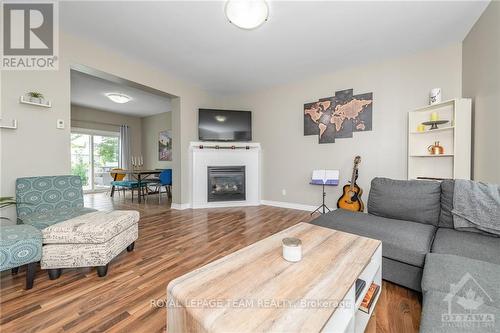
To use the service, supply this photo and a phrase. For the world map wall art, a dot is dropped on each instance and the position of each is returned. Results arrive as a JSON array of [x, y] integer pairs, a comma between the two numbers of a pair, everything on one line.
[[338, 116]]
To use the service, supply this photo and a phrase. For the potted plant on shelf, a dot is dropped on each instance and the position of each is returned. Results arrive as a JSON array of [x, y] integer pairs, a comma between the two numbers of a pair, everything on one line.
[[6, 202], [36, 97]]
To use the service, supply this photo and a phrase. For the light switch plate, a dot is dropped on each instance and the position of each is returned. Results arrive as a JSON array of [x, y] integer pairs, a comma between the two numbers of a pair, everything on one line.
[[60, 124]]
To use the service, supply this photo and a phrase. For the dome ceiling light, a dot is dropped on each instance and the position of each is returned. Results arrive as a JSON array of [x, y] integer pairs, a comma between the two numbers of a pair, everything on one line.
[[118, 98], [247, 14]]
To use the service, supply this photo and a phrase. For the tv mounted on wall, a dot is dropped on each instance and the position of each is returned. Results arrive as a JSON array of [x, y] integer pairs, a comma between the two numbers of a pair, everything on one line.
[[224, 125]]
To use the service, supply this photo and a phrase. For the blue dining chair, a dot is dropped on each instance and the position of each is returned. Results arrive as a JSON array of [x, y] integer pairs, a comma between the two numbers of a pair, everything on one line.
[[120, 182], [165, 180]]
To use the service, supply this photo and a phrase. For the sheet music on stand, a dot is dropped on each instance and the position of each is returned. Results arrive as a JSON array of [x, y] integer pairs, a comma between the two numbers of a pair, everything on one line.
[[325, 177]]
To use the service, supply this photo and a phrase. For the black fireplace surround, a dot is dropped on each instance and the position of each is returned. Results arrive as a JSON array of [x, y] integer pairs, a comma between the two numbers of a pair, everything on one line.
[[226, 183]]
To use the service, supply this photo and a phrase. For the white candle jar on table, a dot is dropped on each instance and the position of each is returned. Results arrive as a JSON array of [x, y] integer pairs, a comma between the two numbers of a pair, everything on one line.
[[292, 249]]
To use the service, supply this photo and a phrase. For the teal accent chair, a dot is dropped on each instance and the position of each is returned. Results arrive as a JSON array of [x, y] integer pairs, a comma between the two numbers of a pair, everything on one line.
[[20, 245], [44, 201]]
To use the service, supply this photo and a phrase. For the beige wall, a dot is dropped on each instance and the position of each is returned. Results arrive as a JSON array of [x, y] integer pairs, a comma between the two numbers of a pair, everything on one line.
[[151, 127], [84, 117], [481, 82], [38, 148], [397, 85]]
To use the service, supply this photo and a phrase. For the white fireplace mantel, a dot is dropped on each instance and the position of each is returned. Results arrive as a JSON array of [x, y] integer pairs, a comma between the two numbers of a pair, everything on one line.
[[245, 154]]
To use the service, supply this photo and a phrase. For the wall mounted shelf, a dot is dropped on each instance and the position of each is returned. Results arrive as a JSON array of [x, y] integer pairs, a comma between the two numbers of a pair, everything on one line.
[[429, 155], [441, 129], [12, 125], [23, 100], [437, 106]]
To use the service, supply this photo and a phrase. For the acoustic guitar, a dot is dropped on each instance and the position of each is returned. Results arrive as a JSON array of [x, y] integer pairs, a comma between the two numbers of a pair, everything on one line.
[[351, 197]]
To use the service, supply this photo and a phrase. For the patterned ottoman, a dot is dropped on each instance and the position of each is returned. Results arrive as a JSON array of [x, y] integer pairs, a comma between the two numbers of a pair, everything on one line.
[[90, 240], [20, 245]]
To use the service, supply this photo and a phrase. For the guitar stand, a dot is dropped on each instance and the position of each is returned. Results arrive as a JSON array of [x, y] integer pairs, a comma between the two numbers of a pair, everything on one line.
[[321, 209]]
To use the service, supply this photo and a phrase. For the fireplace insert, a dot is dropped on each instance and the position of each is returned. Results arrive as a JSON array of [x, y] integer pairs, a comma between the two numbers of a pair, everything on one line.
[[226, 183]]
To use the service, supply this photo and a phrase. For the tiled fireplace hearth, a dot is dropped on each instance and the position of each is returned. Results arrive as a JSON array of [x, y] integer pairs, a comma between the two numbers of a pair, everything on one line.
[[225, 174]]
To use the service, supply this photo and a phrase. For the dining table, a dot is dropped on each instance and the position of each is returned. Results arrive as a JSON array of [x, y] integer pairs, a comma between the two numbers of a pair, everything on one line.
[[139, 175]]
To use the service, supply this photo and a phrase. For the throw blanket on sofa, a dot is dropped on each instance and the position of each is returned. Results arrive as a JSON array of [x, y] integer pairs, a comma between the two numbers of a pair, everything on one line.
[[476, 207]]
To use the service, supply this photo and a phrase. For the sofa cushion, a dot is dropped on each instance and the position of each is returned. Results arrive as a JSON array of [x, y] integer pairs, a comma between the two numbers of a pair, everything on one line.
[[436, 318], [410, 200], [445, 217], [94, 228], [467, 244], [446, 283], [44, 219], [443, 270], [403, 241]]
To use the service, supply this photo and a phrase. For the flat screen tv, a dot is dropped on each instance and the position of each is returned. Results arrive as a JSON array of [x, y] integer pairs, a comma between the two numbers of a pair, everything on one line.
[[224, 125]]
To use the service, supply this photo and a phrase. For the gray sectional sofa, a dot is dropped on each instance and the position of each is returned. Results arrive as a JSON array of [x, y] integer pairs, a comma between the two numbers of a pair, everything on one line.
[[422, 251]]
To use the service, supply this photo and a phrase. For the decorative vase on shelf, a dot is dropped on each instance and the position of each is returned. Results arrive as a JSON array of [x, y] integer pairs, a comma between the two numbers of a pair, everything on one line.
[[434, 116], [36, 100], [36, 97], [435, 96], [436, 149]]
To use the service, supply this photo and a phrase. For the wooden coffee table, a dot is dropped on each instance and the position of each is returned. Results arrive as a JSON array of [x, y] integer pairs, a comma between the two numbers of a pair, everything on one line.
[[256, 290]]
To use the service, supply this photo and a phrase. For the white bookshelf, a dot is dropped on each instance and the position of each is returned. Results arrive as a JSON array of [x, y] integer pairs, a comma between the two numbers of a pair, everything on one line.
[[454, 136]]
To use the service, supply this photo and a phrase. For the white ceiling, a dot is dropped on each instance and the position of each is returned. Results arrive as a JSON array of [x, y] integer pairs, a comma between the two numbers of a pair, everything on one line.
[[90, 91], [194, 41]]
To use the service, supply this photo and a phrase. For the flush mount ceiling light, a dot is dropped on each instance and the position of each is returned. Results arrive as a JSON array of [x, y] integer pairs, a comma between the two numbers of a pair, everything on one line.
[[247, 14], [220, 119], [118, 98]]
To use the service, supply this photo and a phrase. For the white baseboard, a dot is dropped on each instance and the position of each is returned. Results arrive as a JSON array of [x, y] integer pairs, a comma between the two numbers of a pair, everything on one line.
[[177, 206], [289, 205], [282, 204], [225, 204]]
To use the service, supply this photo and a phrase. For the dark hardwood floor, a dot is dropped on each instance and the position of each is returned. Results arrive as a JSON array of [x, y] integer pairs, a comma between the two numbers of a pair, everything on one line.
[[131, 297]]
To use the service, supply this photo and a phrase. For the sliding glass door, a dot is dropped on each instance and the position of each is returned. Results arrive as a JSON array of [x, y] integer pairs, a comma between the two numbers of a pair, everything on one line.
[[105, 158], [93, 155], [80, 158]]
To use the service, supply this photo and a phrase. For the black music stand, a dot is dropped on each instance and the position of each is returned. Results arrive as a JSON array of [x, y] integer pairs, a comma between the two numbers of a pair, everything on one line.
[[324, 178]]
